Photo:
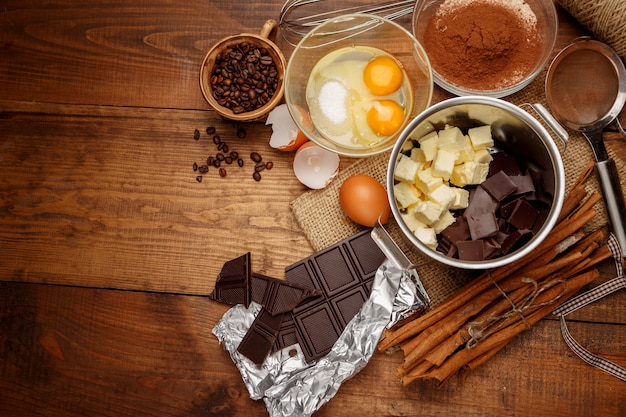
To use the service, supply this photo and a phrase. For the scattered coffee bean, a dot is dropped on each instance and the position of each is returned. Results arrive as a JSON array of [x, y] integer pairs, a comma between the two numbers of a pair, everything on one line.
[[240, 162], [217, 139], [256, 157], [209, 160], [228, 160], [199, 178], [196, 134], [234, 154], [220, 156], [225, 148], [241, 132], [210, 130], [203, 169], [256, 176], [222, 172], [260, 166], [195, 166], [269, 165]]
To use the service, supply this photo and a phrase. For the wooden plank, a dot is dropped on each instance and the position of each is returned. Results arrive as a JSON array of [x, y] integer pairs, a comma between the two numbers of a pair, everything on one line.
[[74, 352], [106, 197]]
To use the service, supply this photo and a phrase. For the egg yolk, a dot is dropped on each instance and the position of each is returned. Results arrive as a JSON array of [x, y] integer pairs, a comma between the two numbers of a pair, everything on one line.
[[385, 117], [382, 76]]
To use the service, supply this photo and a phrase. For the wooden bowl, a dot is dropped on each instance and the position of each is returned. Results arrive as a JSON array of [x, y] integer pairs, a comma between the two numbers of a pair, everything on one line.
[[261, 41]]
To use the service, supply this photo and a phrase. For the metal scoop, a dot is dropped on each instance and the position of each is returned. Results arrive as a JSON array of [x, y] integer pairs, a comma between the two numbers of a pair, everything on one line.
[[586, 90]]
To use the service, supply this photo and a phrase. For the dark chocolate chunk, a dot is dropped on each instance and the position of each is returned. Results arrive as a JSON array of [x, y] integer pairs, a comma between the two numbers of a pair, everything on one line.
[[459, 230], [523, 215], [260, 337], [524, 184], [499, 186], [481, 214], [344, 272], [471, 250], [504, 162], [279, 296], [233, 285]]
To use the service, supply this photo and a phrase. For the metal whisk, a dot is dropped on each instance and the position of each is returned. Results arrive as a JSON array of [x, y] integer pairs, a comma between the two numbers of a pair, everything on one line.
[[297, 17]]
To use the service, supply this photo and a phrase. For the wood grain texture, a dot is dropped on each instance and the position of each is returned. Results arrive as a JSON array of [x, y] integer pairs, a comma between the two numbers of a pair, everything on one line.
[[109, 245]]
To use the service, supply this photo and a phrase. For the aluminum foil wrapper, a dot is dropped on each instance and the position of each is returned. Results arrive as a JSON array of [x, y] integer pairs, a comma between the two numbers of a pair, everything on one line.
[[286, 382]]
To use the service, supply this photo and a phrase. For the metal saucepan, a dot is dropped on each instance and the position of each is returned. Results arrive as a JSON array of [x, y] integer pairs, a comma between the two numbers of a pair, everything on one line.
[[586, 90]]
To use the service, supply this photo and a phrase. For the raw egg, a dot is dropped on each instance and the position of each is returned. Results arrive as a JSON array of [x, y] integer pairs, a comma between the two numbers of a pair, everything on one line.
[[385, 117], [364, 200], [346, 84], [382, 75]]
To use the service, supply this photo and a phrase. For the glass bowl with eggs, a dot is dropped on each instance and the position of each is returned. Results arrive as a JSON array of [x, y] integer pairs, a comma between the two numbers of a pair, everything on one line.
[[353, 83], [486, 47]]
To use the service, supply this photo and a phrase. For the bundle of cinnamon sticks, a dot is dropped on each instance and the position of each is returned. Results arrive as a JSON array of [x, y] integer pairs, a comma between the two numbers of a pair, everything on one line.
[[483, 316]]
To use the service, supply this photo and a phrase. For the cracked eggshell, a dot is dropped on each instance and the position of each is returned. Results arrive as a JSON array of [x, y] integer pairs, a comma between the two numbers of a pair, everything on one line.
[[286, 136], [315, 166]]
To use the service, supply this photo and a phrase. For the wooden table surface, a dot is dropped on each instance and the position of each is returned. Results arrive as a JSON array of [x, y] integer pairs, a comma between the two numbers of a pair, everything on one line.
[[109, 246]]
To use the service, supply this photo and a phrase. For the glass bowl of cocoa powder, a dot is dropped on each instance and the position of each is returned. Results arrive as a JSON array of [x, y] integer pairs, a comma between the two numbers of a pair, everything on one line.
[[486, 47]]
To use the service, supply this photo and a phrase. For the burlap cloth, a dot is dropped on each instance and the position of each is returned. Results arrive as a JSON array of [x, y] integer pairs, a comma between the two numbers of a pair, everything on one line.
[[323, 222]]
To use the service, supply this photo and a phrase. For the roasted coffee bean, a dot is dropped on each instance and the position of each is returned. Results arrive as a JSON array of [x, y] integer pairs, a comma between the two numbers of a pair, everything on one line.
[[210, 130], [195, 166], [232, 74], [256, 157], [260, 166], [217, 139], [203, 169], [240, 162], [241, 132], [222, 172], [196, 134], [269, 165], [228, 160], [225, 147], [199, 178], [216, 163], [220, 156], [256, 176], [234, 154], [209, 160]]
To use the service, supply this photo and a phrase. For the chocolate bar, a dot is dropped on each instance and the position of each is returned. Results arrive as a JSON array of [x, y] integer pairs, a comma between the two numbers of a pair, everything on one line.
[[345, 273], [260, 337], [237, 285]]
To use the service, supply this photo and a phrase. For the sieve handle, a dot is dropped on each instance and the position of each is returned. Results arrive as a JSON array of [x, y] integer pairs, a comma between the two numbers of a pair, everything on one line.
[[613, 198], [547, 117]]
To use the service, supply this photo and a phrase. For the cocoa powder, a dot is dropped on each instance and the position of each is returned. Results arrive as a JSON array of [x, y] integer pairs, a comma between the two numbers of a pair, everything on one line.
[[482, 45]]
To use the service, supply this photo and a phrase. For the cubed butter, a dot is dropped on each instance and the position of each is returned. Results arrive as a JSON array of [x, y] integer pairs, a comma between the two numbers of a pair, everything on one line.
[[450, 138], [480, 137], [405, 194], [406, 169], [446, 220], [443, 195], [426, 182], [417, 154], [469, 173], [428, 212], [427, 236], [444, 163], [411, 221], [483, 156], [461, 198], [466, 151], [428, 144]]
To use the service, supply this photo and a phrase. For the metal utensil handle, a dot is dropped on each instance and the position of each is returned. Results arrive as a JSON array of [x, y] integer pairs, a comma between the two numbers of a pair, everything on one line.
[[613, 198]]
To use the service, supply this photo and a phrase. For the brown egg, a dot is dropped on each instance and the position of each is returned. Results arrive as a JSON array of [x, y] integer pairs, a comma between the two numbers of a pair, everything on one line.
[[364, 200]]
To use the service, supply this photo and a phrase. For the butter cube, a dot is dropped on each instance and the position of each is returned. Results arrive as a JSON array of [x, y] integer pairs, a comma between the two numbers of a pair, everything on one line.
[[428, 144], [444, 163], [480, 137], [417, 154], [405, 194], [443, 195], [411, 221], [466, 151], [426, 182], [428, 212], [406, 169], [407, 146], [469, 173], [483, 156], [427, 236], [450, 138], [446, 220], [479, 173], [461, 198]]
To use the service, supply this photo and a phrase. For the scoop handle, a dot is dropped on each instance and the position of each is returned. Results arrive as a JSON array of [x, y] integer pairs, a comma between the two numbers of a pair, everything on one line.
[[614, 199]]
